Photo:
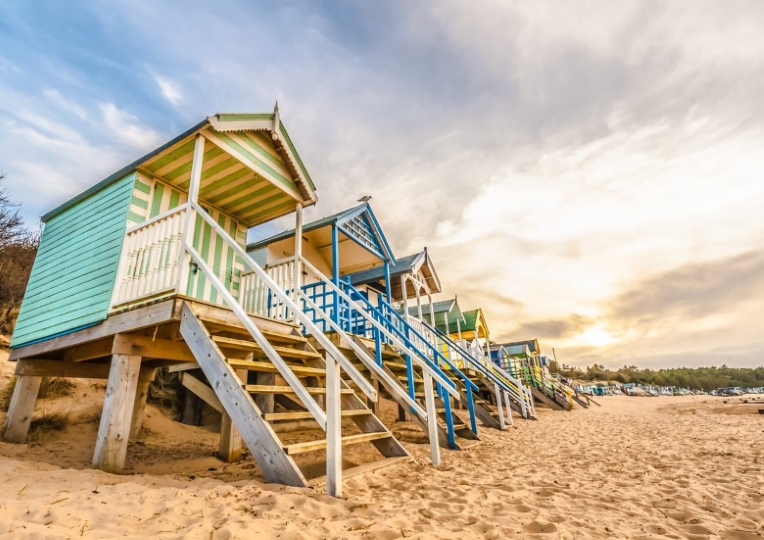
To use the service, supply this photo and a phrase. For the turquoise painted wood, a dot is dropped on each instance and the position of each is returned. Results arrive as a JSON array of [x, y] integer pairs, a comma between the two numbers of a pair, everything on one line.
[[76, 266]]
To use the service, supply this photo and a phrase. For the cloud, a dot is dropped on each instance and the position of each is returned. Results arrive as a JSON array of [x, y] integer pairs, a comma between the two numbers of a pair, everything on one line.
[[125, 128], [169, 89]]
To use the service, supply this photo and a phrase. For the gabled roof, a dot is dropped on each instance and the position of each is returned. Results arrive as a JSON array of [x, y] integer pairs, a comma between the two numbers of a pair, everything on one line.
[[358, 223], [444, 306], [405, 265], [532, 344], [243, 137], [468, 323]]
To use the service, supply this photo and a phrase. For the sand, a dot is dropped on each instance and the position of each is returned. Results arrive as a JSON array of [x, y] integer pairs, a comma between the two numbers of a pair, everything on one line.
[[690, 467]]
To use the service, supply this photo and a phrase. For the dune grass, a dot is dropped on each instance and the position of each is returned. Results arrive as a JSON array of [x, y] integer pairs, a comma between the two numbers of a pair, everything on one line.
[[50, 387]]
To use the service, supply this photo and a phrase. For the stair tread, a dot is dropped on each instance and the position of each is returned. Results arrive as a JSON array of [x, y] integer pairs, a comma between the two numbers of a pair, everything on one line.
[[311, 446], [245, 345], [305, 415], [364, 469], [265, 389], [267, 367]]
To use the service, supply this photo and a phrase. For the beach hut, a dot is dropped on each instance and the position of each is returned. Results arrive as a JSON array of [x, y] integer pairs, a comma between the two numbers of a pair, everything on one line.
[[351, 282], [148, 269]]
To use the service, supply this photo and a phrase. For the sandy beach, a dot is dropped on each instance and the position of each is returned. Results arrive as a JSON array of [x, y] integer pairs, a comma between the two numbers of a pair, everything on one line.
[[689, 467]]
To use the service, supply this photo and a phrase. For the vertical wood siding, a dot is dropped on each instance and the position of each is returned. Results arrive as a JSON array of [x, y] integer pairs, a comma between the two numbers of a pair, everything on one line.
[[151, 198], [75, 268]]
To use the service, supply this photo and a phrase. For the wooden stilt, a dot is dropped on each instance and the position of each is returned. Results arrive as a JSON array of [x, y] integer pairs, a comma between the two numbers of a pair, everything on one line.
[[374, 405], [510, 420], [139, 408], [21, 408], [401, 414], [499, 406], [265, 402], [333, 428], [114, 431], [432, 419], [230, 448]]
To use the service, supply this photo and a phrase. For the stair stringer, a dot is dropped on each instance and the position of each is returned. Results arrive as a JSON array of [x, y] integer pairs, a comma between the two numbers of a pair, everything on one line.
[[546, 400], [263, 443], [442, 434], [483, 414]]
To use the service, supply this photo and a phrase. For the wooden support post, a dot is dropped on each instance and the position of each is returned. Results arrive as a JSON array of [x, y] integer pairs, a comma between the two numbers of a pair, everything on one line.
[[21, 408], [401, 414], [114, 431], [432, 419], [510, 420], [499, 405], [139, 407], [333, 428], [230, 448], [374, 405], [265, 402], [297, 253]]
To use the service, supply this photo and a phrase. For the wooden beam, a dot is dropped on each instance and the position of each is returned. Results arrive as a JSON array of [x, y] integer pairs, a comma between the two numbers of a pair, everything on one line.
[[139, 407], [257, 434], [114, 430], [147, 347], [230, 448], [432, 419], [21, 408], [333, 428], [82, 370], [202, 391], [127, 321], [89, 351]]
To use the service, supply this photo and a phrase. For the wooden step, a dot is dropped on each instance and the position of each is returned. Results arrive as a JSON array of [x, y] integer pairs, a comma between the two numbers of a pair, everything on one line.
[[262, 389], [305, 415], [312, 446], [251, 346], [364, 469], [459, 427], [267, 367]]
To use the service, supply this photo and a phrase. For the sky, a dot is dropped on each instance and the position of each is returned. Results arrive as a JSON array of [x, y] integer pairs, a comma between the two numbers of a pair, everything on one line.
[[588, 173]]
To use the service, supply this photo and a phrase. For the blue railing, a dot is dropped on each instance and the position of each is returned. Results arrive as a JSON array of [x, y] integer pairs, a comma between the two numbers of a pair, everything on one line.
[[351, 321]]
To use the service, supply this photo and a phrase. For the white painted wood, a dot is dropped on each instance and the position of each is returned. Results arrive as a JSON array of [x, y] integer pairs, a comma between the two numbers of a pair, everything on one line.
[[190, 214], [257, 434], [21, 408], [333, 428], [432, 422], [297, 253], [499, 405], [290, 378], [400, 345], [301, 317], [510, 420], [117, 413]]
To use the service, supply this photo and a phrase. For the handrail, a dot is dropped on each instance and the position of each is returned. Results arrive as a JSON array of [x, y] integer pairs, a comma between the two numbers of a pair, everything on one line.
[[467, 382], [159, 217], [366, 359], [414, 354], [519, 392], [325, 342]]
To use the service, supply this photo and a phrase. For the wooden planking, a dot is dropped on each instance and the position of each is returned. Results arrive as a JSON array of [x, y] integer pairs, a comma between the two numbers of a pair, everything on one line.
[[117, 414], [257, 434], [244, 345], [267, 367], [127, 321], [261, 389], [365, 468], [147, 347], [21, 408], [84, 370], [305, 415], [103, 215], [312, 446]]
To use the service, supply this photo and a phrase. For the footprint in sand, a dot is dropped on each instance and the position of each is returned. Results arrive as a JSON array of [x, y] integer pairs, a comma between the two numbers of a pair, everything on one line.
[[521, 508], [537, 527]]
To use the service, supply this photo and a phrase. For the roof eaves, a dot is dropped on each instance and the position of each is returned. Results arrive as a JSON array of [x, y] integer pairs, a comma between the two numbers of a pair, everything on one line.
[[121, 173]]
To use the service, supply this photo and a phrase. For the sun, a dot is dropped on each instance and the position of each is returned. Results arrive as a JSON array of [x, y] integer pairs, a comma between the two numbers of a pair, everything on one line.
[[596, 336]]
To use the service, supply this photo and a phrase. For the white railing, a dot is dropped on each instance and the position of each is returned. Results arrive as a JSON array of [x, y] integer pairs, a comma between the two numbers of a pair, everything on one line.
[[150, 255], [255, 296]]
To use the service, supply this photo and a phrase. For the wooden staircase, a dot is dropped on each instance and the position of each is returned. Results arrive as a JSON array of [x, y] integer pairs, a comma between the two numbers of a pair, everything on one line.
[[395, 365], [255, 395]]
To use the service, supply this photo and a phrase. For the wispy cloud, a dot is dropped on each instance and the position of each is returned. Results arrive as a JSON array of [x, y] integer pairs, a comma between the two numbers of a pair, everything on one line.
[[169, 89]]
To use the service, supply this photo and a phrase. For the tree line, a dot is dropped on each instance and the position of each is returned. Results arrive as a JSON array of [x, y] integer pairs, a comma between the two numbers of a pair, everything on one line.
[[701, 378], [18, 246]]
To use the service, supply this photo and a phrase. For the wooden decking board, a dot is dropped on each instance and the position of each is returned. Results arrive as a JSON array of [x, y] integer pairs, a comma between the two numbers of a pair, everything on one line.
[[250, 346], [312, 446], [267, 367], [305, 415], [261, 389]]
